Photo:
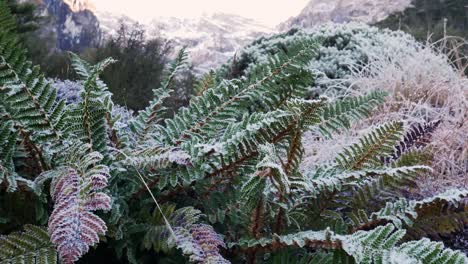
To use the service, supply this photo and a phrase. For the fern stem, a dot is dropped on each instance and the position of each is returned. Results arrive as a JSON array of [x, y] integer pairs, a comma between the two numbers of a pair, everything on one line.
[[142, 179]]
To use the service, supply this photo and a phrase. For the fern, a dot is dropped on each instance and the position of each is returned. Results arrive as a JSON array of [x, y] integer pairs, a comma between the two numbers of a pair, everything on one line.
[[8, 137], [201, 243], [87, 119], [73, 227], [375, 246], [404, 212], [339, 115], [331, 180], [7, 21], [417, 136], [28, 98], [366, 153], [206, 82], [153, 114], [29, 247], [232, 157], [220, 106], [379, 246]]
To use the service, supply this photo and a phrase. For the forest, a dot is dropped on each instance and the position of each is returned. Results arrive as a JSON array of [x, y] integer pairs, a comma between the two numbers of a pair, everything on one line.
[[345, 143]]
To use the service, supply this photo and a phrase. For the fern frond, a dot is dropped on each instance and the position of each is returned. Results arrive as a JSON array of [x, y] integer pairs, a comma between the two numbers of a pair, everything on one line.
[[86, 120], [27, 97], [441, 215], [158, 158], [201, 243], [8, 138], [207, 81], [417, 136], [32, 246], [7, 21], [240, 140], [313, 239], [333, 180], [157, 236], [375, 246], [338, 115], [25, 94], [426, 251], [371, 147], [144, 123], [76, 191], [379, 246], [267, 89]]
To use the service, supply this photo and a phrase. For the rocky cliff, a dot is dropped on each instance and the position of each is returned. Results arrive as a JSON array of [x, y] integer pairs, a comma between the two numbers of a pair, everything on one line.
[[72, 22]]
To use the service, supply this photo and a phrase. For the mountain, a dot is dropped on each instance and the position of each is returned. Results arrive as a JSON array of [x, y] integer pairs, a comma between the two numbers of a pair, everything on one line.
[[339, 11], [210, 39], [72, 22]]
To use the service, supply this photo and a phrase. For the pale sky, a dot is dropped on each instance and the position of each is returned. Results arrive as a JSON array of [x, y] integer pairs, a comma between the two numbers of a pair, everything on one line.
[[269, 12]]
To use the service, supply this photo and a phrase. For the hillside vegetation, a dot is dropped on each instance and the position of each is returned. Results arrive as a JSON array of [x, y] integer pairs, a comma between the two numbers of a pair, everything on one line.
[[309, 147]]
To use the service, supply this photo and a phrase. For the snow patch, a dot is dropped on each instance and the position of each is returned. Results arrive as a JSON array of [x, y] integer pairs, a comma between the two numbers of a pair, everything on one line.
[[71, 28]]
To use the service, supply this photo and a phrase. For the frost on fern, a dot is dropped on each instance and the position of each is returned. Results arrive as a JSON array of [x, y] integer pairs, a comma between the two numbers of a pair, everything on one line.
[[197, 241], [366, 153], [76, 191], [32, 246], [8, 137], [201, 243], [380, 246], [87, 119], [438, 215], [146, 120], [416, 137]]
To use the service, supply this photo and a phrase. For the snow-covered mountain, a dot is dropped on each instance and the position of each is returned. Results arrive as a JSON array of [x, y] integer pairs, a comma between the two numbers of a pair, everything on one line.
[[339, 11], [210, 39]]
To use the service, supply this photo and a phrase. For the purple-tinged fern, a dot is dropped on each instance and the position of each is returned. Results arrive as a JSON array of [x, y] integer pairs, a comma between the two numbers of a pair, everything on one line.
[[417, 137], [73, 227], [201, 243]]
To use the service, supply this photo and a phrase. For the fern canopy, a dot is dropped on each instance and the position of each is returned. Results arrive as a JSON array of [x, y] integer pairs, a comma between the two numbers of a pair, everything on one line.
[[220, 181]]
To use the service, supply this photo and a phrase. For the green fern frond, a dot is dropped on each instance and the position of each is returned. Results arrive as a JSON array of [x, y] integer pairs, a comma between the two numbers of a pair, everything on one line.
[[333, 180], [27, 99], [7, 21], [158, 158], [240, 141], [156, 235], [268, 169], [339, 115], [380, 246], [371, 147], [267, 89], [8, 138], [426, 251], [144, 123], [405, 212], [86, 120], [32, 246]]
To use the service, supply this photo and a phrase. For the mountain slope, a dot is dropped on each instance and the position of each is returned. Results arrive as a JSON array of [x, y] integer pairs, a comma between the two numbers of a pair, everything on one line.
[[339, 11], [210, 39], [72, 22]]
